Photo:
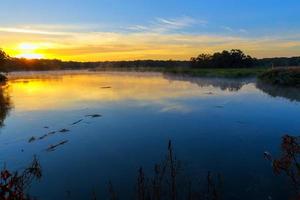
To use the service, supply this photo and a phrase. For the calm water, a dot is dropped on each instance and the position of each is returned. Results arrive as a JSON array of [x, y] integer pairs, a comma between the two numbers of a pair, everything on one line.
[[216, 125]]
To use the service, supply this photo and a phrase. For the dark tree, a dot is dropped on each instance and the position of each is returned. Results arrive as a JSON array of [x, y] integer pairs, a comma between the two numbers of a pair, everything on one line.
[[225, 59], [203, 60], [3, 58]]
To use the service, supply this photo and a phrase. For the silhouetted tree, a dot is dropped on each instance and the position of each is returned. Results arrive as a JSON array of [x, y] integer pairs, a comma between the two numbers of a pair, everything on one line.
[[3, 58], [3, 55], [225, 59]]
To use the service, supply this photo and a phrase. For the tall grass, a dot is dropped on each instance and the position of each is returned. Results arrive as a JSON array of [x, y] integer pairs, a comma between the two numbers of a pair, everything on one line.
[[169, 182], [282, 76]]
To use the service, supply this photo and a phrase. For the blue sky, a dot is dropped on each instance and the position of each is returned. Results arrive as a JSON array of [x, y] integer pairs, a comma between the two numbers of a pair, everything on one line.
[[248, 20]]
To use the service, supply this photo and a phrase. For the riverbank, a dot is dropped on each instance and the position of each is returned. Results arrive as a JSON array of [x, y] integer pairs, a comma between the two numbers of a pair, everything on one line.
[[282, 76]]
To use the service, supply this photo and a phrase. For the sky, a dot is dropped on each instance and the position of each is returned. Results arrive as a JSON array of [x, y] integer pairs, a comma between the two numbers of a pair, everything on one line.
[[100, 30]]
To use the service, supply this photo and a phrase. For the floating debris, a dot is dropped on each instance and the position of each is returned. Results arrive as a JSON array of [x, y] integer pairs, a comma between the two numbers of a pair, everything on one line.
[[94, 116], [64, 130], [43, 137], [32, 139], [53, 147], [106, 87], [46, 127], [51, 133], [77, 122]]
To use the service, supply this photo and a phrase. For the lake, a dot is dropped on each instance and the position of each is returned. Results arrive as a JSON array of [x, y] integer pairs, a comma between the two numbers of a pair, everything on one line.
[[120, 121]]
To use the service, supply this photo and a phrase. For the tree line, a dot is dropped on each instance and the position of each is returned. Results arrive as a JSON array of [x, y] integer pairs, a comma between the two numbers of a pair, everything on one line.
[[226, 59]]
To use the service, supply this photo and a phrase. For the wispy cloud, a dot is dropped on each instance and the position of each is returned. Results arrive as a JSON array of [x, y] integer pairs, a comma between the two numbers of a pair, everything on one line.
[[178, 23], [159, 39], [232, 30], [53, 29], [166, 25], [241, 30], [227, 28], [31, 31]]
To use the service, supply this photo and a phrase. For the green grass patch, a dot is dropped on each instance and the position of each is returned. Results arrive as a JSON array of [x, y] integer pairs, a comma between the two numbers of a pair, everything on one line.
[[282, 76]]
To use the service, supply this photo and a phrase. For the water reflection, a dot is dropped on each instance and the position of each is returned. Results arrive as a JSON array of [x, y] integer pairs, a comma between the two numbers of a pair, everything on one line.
[[63, 91], [5, 104], [221, 83], [234, 85], [293, 94], [109, 124]]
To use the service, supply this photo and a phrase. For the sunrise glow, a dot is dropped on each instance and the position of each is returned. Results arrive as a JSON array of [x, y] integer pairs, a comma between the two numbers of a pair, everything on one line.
[[28, 51], [30, 56], [91, 35]]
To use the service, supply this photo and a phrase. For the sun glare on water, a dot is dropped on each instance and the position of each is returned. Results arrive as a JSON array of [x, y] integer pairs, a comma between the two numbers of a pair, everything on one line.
[[28, 51]]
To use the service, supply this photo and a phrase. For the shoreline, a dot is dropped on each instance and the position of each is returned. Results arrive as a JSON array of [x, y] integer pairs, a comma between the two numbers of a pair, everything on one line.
[[285, 76]]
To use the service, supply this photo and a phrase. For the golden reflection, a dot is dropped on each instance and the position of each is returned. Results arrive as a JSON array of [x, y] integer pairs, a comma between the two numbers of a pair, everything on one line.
[[67, 91]]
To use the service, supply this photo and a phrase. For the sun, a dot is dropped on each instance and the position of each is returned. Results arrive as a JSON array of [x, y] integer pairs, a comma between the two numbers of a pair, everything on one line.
[[28, 51]]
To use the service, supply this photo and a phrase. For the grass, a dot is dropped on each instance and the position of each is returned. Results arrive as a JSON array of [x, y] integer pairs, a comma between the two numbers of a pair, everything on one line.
[[168, 182], [282, 76]]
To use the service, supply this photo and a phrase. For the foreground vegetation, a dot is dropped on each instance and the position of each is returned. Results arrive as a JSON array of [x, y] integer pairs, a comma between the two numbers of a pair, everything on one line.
[[288, 163], [168, 181], [13, 185], [282, 76]]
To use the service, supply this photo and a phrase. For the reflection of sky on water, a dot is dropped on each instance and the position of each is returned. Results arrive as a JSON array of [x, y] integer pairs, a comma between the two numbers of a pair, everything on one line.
[[220, 125], [68, 91]]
